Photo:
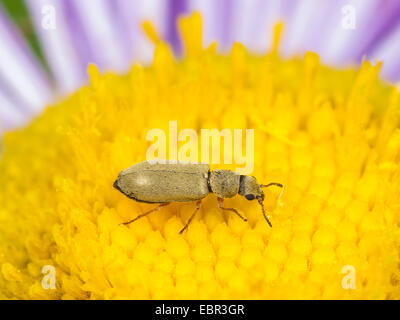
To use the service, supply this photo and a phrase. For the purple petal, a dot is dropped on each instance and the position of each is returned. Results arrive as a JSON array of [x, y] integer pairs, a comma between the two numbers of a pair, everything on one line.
[[132, 14], [322, 30], [217, 21], [250, 22], [254, 22], [224, 11], [301, 32], [175, 9], [388, 52], [383, 24], [58, 44], [104, 45], [19, 70], [343, 45]]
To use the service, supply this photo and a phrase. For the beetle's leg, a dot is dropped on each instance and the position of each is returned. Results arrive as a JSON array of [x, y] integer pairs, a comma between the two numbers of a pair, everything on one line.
[[146, 213], [221, 205], [198, 204]]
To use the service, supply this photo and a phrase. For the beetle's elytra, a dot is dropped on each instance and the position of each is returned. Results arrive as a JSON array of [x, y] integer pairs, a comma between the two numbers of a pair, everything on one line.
[[164, 181]]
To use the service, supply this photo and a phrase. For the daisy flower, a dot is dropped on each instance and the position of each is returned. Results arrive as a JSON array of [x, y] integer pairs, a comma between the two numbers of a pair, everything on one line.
[[326, 122]]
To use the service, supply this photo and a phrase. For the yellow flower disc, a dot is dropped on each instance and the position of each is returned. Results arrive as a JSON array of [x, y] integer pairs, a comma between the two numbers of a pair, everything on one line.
[[330, 136]]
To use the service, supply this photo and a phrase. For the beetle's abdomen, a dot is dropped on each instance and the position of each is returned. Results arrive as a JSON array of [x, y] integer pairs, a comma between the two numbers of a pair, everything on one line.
[[164, 182]]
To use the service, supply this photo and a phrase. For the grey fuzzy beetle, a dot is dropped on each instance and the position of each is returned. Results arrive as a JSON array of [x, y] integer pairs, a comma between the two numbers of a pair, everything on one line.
[[163, 182]]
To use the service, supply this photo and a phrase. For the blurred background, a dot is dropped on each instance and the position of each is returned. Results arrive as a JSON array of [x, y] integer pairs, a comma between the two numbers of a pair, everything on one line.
[[46, 45]]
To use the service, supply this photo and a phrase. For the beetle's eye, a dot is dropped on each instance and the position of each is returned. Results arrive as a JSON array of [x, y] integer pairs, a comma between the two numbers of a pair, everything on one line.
[[250, 196]]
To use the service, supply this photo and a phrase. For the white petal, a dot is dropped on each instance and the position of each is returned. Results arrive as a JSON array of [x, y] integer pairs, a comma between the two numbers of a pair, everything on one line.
[[10, 116]]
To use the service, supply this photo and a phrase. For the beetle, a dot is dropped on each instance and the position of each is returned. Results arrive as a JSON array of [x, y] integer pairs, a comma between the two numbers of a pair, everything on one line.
[[163, 182]]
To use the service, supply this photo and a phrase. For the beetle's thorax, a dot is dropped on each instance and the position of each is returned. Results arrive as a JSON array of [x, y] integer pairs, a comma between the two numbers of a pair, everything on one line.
[[224, 183]]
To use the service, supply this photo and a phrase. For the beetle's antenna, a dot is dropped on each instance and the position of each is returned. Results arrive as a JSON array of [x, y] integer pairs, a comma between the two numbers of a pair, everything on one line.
[[275, 184], [271, 184], [263, 211]]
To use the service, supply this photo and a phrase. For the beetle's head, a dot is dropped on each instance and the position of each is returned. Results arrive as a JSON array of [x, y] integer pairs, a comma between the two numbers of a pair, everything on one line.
[[122, 185], [250, 189], [116, 186]]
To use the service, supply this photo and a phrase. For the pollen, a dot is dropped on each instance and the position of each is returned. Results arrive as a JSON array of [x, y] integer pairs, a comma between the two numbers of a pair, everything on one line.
[[331, 136]]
